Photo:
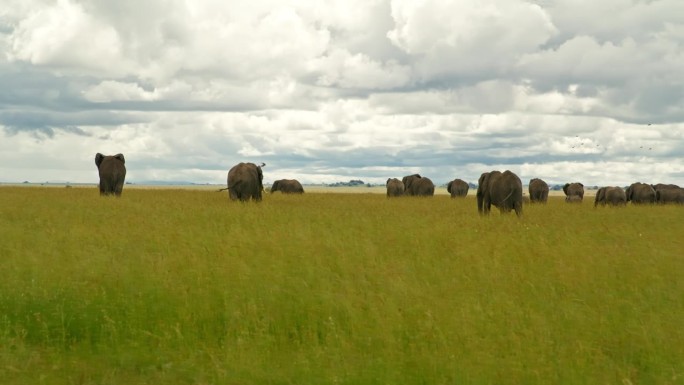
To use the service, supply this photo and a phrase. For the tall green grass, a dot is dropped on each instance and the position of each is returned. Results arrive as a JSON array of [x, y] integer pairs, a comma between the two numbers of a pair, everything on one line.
[[185, 287]]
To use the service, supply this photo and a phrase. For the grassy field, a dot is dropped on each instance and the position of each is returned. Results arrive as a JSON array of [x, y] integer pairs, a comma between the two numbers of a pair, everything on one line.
[[184, 287]]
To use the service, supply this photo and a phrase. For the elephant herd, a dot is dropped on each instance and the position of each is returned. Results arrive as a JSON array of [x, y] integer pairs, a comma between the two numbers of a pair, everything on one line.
[[416, 185], [504, 190], [501, 189], [639, 193]]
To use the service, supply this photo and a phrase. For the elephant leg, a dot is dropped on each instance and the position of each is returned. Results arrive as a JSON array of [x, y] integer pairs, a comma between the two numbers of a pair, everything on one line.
[[518, 209], [487, 205], [109, 188]]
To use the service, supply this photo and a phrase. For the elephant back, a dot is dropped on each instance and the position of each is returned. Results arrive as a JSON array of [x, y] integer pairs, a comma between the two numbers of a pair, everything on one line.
[[245, 182], [112, 173], [458, 188], [422, 187]]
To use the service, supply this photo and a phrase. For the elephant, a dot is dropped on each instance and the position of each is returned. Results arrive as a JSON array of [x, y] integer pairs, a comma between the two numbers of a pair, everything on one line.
[[574, 192], [112, 170], [503, 190], [670, 195], [418, 185], [539, 191], [287, 186], [639, 193], [612, 195], [245, 182], [458, 188], [663, 186], [395, 187]]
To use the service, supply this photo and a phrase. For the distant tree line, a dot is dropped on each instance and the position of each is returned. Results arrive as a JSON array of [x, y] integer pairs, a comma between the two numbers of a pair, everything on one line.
[[351, 183]]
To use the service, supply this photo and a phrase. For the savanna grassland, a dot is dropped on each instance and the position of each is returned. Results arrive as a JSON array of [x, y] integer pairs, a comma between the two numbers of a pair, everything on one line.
[[185, 287]]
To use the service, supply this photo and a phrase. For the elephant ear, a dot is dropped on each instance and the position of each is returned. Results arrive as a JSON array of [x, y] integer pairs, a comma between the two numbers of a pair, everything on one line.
[[565, 188], [599, 194], [120, 157], [483, 180], [98, 159], [449, 186], [408, 181], [388, 180]]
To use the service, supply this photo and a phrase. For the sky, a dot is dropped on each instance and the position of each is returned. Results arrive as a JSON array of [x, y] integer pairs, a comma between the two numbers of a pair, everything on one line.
[[328, 91]]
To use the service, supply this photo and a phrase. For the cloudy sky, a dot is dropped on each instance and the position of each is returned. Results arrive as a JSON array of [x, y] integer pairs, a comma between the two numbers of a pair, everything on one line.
[[327, 91]]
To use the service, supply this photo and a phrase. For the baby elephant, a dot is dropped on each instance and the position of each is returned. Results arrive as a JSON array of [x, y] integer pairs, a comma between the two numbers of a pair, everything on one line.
[[112, 169]]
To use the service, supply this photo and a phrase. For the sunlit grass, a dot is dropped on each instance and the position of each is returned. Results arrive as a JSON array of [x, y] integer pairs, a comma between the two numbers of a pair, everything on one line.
[[183, 286]]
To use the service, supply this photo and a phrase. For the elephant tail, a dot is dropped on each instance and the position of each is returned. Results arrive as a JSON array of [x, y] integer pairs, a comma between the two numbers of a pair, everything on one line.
[[508, 196]]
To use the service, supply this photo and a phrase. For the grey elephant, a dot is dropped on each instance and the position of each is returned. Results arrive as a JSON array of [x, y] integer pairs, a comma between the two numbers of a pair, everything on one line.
[[574, 192], [503, 190], [287, 186], [245, 182], [670, 195], [610, 195], [112, 170], [458, 188], [418, 185], [640, 193], [539, 191], [395, 187]]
